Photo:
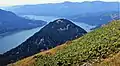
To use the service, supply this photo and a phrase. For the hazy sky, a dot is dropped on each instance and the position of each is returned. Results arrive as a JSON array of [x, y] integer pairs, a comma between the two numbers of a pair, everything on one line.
[[23, 2]]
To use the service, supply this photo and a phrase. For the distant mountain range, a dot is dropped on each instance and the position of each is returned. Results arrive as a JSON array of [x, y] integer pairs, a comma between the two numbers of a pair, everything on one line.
[[52, 35], [10, 22], [65, 8], [92, 13]]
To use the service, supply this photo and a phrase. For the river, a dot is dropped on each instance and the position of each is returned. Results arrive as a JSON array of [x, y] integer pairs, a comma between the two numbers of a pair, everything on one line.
[[13, 40]]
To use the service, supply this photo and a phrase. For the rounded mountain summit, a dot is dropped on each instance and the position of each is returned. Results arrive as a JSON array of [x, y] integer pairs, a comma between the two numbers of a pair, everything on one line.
[[53, 34]]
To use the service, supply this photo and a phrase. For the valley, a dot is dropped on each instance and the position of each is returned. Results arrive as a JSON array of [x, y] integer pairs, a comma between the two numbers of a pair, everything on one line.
[[45, 39], [25, 34], [60, 33]]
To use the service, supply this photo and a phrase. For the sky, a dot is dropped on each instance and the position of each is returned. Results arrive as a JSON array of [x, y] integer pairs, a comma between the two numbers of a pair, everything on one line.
[[25, 2]]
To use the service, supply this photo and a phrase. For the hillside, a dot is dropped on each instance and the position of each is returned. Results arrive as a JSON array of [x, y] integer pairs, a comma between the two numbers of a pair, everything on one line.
[[10, 22], [53, 34], [93, 48]]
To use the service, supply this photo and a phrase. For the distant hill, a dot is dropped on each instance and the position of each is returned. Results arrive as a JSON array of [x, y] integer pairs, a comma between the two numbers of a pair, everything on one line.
[[98, 18], [100, 47], [10, 22], [65, 8], [52, 35]]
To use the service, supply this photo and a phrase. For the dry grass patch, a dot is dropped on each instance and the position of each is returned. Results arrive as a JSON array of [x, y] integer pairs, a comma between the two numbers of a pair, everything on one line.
[[112, 61]]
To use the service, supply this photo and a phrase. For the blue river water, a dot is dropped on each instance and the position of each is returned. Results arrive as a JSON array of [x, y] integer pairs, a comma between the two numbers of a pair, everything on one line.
[[13, 40]]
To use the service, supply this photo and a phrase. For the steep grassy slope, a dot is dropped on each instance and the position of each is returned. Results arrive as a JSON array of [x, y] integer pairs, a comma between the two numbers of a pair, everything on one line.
[[30, 61], [92, 48]]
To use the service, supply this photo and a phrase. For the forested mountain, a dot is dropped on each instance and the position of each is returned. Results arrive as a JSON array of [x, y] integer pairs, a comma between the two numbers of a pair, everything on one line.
[[52, 35], [10, 22]]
